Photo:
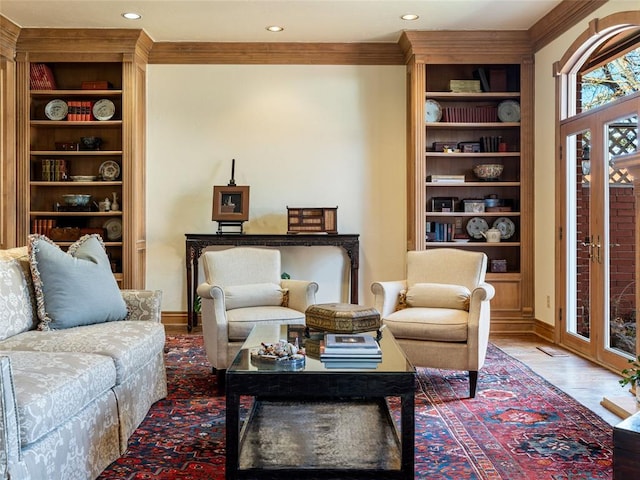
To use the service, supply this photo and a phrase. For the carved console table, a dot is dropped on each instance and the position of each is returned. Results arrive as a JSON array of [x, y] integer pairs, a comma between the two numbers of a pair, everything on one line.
[[195, 243]]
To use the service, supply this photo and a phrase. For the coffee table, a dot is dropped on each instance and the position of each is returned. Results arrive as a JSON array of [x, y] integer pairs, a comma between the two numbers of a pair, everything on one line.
[[318, 422]]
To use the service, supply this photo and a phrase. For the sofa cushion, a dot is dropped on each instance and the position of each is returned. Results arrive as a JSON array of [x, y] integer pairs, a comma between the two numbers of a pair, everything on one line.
[[438, 295], [253, 295], [50, 388], [130, 344], [74, 288], [17, 306]]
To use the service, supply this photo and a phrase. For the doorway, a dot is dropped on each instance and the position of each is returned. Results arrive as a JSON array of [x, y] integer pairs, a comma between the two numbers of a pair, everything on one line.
[[597, 313]]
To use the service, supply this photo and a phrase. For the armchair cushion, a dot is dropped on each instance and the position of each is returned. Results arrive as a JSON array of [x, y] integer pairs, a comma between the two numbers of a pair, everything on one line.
[[253, 295], [438, 295], [429, 324]]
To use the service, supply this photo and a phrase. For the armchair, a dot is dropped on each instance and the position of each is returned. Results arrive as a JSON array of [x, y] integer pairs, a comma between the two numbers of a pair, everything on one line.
[[440, 315], [243, 288]]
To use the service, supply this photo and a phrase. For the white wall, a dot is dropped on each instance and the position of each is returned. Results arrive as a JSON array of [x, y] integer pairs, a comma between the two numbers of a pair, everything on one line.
[[545, 170], [302, 136]]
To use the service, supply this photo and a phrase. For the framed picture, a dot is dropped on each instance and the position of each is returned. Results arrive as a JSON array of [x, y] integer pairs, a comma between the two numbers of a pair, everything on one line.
[[230, 203]]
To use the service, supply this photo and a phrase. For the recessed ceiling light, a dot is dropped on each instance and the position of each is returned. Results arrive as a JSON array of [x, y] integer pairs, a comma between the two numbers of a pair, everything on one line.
[[132, 16], [410, 16], [275, 28]]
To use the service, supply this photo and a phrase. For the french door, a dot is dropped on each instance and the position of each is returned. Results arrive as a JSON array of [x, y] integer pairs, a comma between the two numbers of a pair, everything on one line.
[[597, 234]]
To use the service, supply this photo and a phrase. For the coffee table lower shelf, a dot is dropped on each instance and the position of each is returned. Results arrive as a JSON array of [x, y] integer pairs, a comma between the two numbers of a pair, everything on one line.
[[346, 439]]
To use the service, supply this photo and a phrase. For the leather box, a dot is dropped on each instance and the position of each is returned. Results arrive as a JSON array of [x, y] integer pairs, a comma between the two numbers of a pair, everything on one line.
[[342, 318]]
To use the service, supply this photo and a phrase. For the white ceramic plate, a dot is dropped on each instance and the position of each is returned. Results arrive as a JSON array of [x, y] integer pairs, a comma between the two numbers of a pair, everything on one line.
[[477, 225], [432, 111], [109, 170], [104, 109], [56, 109], [506, 226], [113, 227], [509, 111]]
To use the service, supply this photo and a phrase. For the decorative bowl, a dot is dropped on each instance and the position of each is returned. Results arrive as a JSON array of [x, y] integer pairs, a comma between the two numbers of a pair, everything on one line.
[[76, 200], [488, 171], [91, 143]]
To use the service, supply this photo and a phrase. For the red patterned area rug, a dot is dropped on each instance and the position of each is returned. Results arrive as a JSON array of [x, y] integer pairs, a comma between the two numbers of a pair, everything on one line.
[[518, 427]]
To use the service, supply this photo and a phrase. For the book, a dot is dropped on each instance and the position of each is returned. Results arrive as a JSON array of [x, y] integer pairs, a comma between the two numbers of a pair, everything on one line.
[[337, 340], [352, 364]]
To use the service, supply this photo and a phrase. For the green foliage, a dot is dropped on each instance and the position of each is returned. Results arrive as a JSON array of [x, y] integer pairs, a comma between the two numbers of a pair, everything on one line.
[[631, 375]]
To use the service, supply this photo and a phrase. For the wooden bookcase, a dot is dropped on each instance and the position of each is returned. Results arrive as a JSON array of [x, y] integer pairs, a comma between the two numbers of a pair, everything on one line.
[[433, 60], [119, 58]]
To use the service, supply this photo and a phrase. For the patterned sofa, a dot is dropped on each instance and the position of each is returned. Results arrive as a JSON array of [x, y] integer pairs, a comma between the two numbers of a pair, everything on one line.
[[71, 398]]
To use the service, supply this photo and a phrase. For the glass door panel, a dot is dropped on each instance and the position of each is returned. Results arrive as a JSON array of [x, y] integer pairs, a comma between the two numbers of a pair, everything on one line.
[[580, 240], [620, 323]]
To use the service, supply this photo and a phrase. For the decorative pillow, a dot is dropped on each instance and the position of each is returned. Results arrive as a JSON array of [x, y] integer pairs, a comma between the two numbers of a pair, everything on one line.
[[438, 295], [74, 288], [402, 301], [253, 295], [17, 300]]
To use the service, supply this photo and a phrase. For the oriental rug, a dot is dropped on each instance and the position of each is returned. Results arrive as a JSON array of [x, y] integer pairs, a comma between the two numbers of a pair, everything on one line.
[[519, 426]]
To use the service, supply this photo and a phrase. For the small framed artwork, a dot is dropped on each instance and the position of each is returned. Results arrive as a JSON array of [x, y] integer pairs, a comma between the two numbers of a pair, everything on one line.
[[230, 203]]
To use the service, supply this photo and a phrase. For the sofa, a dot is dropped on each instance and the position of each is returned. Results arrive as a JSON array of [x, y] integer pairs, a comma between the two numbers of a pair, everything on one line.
[[72, 394]]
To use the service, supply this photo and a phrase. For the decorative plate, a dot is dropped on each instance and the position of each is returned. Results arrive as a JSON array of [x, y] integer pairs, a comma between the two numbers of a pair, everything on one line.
[[109, 170], [476, 226], [432, 111], [509, 111], [56, 109], [506, 227], [113, 227], [104, 109]]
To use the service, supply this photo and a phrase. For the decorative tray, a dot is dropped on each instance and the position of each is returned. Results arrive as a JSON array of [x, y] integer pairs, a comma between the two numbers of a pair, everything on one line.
[[280, 352], [278, 356]]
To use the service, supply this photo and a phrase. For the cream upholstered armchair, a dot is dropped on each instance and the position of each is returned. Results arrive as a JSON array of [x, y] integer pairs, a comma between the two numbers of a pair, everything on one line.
[[243, 288], [440, 314]]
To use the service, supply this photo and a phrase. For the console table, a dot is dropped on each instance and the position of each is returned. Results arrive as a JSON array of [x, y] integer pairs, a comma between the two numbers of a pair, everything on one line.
[[196, 242]]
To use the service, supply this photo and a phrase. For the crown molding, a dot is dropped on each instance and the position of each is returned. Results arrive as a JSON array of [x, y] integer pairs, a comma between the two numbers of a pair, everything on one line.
[[9, 33], [567, 14], [276, 53]]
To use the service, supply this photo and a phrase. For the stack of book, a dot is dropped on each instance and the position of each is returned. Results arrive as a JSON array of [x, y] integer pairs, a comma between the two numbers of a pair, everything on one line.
[[350, 351]]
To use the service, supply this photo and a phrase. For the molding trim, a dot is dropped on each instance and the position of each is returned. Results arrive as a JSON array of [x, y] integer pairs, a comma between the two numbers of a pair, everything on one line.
[[544, 330], [9, 33], [276, 53], [560, 19], [450, 46], [82, 41]]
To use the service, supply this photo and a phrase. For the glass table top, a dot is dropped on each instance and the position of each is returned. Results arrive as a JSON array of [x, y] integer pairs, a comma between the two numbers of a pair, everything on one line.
[[393, 358]]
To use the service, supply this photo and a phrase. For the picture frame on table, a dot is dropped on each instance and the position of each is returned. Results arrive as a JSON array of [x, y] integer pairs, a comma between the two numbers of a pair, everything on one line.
[[230, 203]]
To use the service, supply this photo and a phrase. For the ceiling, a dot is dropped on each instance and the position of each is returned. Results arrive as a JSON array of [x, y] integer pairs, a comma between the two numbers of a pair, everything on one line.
[[303, 20]]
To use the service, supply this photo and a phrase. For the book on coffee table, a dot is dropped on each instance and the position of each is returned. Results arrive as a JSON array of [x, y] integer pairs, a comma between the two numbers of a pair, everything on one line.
[[337, 340]]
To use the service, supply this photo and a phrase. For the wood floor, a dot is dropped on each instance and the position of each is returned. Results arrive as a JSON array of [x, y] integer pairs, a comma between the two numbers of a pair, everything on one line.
[[586, 382]]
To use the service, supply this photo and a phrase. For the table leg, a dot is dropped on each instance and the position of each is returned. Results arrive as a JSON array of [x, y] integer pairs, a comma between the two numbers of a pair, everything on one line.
[[232, 433], [408, 427], [190, 296]]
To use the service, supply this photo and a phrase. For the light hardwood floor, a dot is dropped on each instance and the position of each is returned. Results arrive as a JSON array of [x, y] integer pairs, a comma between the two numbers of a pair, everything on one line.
[[587, 382]]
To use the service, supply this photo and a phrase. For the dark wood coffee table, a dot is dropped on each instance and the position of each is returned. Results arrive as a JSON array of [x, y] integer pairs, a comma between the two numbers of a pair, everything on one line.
[[323, 423]]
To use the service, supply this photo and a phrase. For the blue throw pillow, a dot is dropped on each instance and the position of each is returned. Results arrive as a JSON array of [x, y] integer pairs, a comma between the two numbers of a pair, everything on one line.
[[74, 288]]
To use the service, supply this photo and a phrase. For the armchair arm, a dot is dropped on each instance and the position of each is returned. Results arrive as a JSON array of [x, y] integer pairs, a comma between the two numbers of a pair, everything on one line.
[[302, 293], [143, 304], [479, 324], [215, 328], [9, 429], [387, 295]]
